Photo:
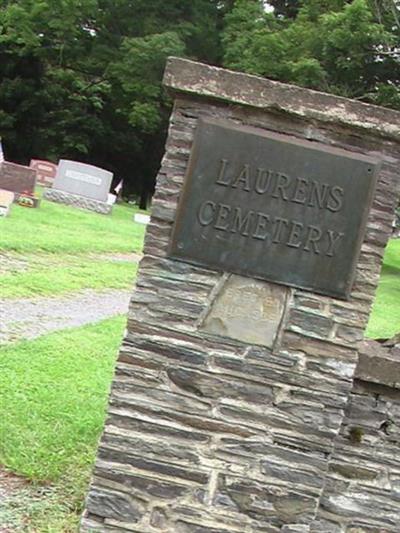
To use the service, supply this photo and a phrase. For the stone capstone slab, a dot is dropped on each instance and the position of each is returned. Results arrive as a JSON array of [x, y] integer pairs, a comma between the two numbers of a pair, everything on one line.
[[379, 364], [62, 197], [195, 79]]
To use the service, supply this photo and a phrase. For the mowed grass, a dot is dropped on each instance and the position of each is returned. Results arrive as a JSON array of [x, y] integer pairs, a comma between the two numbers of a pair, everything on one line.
[[385, 316], [65, 249], [53, 395], [53, 275], [56, 228]]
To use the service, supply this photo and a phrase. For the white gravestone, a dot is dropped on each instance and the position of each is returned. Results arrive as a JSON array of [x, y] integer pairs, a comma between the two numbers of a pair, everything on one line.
[[83, 180]]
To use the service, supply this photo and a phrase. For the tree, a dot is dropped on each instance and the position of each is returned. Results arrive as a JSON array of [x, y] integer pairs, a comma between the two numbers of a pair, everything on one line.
[[285, 8], [337, 46], [82, 78]]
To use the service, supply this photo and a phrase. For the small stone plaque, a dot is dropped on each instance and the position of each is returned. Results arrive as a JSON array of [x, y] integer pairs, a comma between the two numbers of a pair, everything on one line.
[[248, 310], [274, 207]]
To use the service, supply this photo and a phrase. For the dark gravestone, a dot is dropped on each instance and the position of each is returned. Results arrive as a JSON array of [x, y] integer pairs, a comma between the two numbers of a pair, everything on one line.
[[17, 178], [273, 207]]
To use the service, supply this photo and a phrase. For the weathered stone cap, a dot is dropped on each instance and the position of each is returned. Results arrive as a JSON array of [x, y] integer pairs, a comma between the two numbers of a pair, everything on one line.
[[184, 76], [379, 364]]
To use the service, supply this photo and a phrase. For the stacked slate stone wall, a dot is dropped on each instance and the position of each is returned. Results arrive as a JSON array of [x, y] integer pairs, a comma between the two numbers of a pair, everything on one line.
[[362, 491], [209, 432]]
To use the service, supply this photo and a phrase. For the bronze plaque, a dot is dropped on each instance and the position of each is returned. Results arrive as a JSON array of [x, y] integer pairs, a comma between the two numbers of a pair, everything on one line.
[[273, 207]]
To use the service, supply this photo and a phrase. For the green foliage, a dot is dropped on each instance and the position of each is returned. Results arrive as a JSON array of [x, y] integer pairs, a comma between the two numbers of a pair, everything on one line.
[[139, 79], [331, 45], [252, 41], [349, 48], [285, 8], [82, 78], [60, 229]]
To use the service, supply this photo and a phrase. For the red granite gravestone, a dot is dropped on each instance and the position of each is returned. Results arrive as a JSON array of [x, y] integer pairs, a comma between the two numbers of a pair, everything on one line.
[[46, 172]]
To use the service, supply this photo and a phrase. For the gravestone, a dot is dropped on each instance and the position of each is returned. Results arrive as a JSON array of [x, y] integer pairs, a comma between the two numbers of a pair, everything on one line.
[[141, 218], [17, 178], [81, 185], [235, 378], [6, 199], [46, 172]]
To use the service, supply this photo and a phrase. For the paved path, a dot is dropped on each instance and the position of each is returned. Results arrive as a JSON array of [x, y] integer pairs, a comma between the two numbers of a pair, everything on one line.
[[30, 318]]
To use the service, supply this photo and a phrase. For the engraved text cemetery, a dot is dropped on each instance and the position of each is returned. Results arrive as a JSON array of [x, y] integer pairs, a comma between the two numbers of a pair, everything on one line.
[[274, 208]]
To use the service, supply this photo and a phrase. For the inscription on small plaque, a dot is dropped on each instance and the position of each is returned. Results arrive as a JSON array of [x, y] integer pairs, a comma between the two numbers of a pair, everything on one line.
[[273, 207], [248, 310]]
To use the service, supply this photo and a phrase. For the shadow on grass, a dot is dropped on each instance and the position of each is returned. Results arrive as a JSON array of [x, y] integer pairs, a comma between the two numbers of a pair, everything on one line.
[[391, 270]]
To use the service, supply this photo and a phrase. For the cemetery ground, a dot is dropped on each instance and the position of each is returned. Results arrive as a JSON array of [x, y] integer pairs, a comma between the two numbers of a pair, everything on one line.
[[54, 388]]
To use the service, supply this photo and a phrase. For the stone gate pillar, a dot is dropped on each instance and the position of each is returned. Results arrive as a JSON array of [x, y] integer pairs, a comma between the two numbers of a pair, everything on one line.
[[272, 211]]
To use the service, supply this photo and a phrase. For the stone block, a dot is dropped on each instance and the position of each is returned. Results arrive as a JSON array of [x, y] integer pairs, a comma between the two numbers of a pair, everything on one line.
[[248, 310], [62, 197], [378, 364]]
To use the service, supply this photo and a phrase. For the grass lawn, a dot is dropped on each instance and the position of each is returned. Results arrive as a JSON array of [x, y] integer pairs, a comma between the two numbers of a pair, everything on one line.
[[55, 274], [53, 394], [56, 228], [57, 249], [385, 317]]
